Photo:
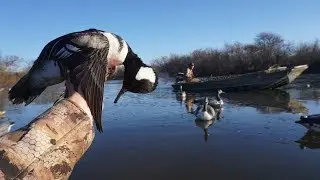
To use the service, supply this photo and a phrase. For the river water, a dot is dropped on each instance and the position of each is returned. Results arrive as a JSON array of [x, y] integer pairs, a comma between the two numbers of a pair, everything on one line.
[[155, 136]]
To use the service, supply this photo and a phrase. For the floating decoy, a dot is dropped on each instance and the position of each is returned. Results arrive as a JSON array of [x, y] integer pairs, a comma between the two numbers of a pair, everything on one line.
[[205, 111], [217, 103]]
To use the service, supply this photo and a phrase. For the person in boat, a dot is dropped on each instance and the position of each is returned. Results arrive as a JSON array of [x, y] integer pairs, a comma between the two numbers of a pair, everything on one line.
[[190, 77]]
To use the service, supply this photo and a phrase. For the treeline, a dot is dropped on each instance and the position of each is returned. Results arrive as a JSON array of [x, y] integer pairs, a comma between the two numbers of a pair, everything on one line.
[[7, 66], [268, 49]]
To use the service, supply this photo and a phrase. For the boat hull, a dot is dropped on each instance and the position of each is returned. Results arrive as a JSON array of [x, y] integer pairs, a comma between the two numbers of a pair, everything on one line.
[[268, 79]]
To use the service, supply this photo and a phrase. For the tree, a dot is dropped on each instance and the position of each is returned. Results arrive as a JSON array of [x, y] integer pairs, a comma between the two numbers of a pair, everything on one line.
[[8, 62]]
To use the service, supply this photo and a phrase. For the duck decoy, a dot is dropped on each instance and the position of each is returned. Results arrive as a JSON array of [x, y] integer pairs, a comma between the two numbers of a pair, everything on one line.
[[205, 111], [87, 58], [218, 102], [311, 122]]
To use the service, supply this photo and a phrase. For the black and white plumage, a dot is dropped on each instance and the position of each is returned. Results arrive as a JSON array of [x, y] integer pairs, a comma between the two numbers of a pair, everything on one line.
[[86, 58]]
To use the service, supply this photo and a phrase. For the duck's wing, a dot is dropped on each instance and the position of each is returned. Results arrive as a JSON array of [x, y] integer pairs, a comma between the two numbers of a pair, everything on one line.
[[90, 73], [85, 54]]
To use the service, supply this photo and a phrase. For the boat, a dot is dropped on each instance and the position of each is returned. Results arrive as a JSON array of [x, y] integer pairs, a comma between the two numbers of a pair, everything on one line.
[[270, 78]]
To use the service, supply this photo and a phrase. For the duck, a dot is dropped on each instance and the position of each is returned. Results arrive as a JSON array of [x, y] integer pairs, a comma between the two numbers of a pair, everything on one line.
[[86, 58], [2, 113], [218, 102], [311, 122], [205, 111]]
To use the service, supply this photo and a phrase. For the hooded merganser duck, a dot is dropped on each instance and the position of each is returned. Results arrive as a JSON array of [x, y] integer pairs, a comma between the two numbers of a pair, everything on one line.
[[87, 58]]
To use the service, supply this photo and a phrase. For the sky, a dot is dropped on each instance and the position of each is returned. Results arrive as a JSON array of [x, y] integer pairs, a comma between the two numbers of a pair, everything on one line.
[[155, 28]]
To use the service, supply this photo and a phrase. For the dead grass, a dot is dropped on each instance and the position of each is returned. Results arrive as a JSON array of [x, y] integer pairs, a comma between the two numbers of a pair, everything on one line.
[[8, 79]]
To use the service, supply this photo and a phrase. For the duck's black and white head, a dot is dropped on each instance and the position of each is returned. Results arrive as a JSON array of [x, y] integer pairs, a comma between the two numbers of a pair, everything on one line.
[[138, 77]]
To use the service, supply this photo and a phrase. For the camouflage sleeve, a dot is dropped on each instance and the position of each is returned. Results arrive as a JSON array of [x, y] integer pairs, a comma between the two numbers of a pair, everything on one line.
[[49, 146]]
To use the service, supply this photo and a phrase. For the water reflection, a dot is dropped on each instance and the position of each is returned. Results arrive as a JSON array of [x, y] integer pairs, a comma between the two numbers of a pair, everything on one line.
[[204, 125], [189, 104], [310, 140], [309, 94], [268, 101]]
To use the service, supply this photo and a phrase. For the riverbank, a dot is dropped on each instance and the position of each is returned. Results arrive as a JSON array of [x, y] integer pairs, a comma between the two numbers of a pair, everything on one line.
[[8, 79], [266, 50]]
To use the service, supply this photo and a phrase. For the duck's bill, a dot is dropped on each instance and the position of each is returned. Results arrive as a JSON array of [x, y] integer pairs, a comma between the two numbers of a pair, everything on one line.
[[121, 92]]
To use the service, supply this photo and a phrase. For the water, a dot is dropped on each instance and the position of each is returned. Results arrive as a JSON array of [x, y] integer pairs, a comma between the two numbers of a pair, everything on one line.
[[154, 137]]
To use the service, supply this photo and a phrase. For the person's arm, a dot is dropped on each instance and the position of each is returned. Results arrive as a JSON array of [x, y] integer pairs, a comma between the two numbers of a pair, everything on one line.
[[50, 145]]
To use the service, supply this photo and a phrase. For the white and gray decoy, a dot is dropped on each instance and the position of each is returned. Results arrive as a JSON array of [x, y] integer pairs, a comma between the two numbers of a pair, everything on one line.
[[218, 102], [205, 111]]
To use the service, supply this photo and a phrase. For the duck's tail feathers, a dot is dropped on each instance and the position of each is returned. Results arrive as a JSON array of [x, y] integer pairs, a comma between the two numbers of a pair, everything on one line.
[[21, 92]]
